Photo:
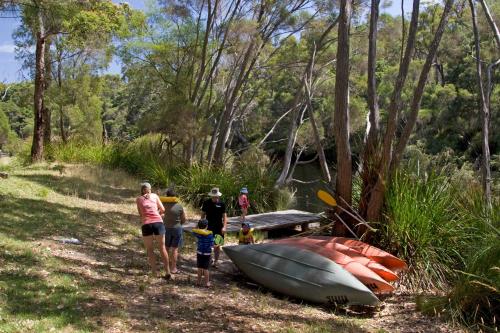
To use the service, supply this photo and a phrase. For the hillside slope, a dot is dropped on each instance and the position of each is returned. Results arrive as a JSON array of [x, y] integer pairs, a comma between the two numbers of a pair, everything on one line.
[[102, 284]]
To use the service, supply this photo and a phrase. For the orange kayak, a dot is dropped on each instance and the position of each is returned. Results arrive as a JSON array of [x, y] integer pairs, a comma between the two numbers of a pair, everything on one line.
[[384, 258], [369, 278], [381, 270]]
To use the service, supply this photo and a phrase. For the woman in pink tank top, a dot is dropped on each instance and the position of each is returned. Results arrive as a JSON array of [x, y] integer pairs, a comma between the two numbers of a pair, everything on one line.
[[150, 209]]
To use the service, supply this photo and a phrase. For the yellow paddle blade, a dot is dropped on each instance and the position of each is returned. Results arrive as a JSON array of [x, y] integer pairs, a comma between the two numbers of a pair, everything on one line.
[[327, 198]]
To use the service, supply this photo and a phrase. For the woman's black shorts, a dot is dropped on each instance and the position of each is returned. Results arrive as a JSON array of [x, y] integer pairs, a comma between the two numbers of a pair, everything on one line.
[[203, 260], [156, 228]]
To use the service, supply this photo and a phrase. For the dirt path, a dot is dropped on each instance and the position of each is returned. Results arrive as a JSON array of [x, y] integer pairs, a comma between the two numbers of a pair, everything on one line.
[[105, 281]]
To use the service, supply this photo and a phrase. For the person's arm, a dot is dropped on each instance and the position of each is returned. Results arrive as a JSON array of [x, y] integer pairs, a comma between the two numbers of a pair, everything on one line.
[[203, 211], [161, 209], [224, 218], [183, 217], [139, 210]]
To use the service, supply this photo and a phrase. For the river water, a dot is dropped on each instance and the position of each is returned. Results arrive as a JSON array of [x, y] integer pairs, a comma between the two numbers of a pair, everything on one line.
[[305, 194]]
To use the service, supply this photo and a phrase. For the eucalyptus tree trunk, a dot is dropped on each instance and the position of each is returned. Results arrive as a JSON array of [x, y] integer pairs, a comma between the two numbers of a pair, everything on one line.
[[341, 104], [491, 22], [419, 89], [62, 130], [369, 160], [267, 24], [376, 188], [485, 112], [38, 130], [104, 132], [317, 140], [292, 138], [47, 114], [296, 111], [230, 106], [390, 159]]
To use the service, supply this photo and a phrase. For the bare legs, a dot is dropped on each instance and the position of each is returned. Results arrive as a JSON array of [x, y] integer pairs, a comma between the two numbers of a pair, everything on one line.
[[216, 254], [160, 242], [244, 212], [174, 251], [205, 275]]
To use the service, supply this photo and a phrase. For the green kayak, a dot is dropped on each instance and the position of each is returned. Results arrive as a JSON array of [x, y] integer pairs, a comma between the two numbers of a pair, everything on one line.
[[299, 273]]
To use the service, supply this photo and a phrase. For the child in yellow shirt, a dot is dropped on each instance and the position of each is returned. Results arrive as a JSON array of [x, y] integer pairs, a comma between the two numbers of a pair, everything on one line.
[[246, 234]]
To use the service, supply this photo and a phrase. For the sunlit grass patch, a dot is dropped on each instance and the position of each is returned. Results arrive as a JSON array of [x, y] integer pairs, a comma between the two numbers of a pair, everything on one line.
[[33, 297]]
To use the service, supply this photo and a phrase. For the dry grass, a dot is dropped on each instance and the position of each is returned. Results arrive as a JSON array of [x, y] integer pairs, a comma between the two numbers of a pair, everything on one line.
[[102, 284]]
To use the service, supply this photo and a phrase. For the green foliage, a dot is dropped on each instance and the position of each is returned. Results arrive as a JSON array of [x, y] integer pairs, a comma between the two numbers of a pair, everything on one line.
[[424, 225], [5, 131], [475, 296], [79, 152], [441, 227], [146, 158]]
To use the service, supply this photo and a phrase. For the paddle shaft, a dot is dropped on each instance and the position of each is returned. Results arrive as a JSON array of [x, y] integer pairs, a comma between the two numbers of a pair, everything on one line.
[[330, 201]]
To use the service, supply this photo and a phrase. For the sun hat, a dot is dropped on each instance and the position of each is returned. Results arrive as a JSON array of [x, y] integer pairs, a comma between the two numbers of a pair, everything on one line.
[[244, 190], [214, 192]]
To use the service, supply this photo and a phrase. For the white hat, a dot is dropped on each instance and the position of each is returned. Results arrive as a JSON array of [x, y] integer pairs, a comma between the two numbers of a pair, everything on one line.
[[146, 185], [214, 192]]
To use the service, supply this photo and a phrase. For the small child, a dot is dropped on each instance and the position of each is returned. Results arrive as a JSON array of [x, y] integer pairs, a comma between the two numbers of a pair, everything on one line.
[[244, 203], [204, 251], [246, 234]]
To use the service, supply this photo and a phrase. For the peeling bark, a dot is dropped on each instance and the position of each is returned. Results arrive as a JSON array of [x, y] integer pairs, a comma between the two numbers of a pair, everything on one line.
[[485, 112], [341, 104]]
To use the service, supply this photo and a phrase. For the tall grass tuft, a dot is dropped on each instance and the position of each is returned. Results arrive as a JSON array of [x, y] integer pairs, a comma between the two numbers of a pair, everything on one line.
[[474, 298], [426, 228], [450, 241], [146, 158]]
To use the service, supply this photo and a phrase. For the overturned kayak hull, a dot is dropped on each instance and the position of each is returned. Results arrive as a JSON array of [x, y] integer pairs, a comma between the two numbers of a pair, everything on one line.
[[299, 273], [368, 277], [382, 257], [327, 243]]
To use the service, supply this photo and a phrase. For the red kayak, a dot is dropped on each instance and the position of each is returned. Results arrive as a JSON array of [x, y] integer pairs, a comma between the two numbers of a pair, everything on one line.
[[384, 258], [369, 278]]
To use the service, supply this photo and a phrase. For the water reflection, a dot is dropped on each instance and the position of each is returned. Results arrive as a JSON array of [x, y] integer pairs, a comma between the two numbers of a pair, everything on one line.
[[306, 198]]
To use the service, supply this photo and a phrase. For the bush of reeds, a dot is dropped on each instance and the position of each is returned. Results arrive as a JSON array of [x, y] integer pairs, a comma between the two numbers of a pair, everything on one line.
[[441, 226]]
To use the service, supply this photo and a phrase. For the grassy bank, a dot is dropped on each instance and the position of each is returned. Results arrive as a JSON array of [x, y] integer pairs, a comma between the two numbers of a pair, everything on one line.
[[148, 160], [102, 285], [436, 222]]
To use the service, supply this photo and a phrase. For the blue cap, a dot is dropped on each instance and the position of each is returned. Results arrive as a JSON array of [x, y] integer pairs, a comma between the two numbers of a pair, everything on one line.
[[244, 190]]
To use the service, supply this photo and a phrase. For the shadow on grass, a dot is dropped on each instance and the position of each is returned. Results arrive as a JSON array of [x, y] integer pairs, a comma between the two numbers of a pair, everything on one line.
[[25, 293], [29, 295], [97, 281], [74, 186]]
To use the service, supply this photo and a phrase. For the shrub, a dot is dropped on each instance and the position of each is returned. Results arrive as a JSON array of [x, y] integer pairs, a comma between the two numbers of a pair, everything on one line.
[[147, 159], [426, 228], [441, 227]]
